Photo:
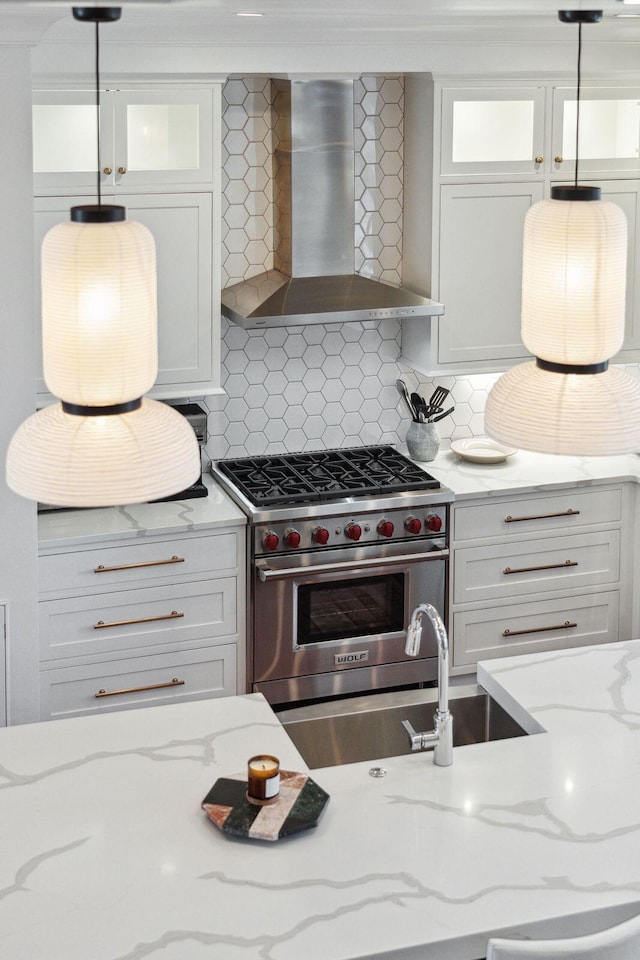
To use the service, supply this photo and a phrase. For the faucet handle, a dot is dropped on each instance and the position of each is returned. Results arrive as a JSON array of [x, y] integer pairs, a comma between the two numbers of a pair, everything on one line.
[[415, 739]]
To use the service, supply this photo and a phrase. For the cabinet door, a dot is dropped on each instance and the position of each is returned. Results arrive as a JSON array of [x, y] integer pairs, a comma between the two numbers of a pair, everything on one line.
[[480, 270], [149, 139], [492, 130], [162, 137], [65, 151], [182, 228], [609, 130], [625, 194]]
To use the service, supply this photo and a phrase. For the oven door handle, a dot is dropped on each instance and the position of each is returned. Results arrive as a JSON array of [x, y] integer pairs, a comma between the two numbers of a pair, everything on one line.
[[267, 573]]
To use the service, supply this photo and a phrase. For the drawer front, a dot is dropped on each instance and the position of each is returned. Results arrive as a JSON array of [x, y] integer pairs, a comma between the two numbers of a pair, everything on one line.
[[115, 623], [535, 627], [536, 566], [135, 564], [139, 682], [531, 516]]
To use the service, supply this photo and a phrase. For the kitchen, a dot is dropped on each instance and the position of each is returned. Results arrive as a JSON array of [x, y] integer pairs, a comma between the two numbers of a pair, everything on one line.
[[19, 564]]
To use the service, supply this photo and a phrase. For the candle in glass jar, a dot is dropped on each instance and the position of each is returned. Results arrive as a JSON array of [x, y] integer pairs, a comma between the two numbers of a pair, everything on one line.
[[264, 778]]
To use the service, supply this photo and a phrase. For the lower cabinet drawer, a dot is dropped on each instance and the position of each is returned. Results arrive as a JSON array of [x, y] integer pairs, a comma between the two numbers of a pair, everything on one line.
[[536, 566], [139, 682], [534, 627], [132, 620]]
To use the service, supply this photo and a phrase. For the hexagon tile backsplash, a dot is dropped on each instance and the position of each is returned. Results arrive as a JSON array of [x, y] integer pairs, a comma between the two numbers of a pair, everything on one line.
[[302, 388]]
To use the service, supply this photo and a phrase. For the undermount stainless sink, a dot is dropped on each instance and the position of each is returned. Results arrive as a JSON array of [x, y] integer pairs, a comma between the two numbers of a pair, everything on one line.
[[370, 727]]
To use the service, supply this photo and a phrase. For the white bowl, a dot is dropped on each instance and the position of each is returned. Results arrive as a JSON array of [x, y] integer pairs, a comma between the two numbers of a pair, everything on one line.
[[482, 450]]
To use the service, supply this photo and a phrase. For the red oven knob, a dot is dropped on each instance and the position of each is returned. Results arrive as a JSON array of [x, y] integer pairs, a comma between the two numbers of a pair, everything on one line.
[[353, 531], [385, 528], [270, 540], [320, 535], [292, 538], [413, 525], [434, 523]]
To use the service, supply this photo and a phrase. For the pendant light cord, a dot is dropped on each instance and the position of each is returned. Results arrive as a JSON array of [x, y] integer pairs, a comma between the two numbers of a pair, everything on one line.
[[98, 108], [578, 100]]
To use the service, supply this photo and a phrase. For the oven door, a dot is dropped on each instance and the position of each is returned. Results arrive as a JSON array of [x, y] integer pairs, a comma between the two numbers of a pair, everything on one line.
[[336, 610]]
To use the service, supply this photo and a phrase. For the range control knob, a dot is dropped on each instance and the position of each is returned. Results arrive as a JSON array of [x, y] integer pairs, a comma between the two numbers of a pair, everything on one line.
[[270, 540], [413, 525], [434, 523], [320, 535], [353, 531], [385, 528], [292, 538]]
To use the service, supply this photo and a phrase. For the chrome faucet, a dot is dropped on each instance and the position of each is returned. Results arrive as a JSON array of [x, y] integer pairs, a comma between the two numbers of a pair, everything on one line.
[[441, 737]]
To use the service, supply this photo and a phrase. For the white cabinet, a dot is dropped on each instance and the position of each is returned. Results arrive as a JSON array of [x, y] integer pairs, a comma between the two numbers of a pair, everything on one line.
[[161, 148], [480, 226], [188, 339], [3, 665], [129, 624], [496, 149], [149, 139], [540, 572], [497, 130]]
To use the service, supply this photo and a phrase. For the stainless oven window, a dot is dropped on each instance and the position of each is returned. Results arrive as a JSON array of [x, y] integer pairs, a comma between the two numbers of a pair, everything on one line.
[[350, 609]]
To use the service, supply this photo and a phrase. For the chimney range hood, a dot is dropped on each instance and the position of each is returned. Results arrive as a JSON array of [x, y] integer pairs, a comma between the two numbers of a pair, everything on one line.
[[314, 280]]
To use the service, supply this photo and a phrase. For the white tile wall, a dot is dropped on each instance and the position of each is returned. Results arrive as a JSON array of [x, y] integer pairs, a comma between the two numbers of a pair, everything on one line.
[[300, 388]]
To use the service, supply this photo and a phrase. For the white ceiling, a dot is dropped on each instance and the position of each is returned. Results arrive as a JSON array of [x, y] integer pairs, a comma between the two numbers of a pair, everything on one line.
[[437, 35]]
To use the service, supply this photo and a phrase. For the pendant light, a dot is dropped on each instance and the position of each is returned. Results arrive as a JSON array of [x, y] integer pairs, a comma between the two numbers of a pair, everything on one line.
[[568, 400], [104, 443]]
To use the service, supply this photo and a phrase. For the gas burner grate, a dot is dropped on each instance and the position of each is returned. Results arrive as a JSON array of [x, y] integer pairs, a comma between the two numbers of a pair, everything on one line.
[[324, 475]]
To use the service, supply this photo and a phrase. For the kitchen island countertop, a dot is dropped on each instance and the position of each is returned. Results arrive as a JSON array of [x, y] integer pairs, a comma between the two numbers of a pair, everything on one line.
[[106, 854]]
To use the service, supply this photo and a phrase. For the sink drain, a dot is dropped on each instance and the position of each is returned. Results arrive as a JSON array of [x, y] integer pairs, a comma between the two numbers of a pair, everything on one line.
[[377, 772]]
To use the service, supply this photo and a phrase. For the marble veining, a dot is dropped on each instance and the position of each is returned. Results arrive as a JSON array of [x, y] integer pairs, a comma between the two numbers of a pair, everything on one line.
[[108, 855]]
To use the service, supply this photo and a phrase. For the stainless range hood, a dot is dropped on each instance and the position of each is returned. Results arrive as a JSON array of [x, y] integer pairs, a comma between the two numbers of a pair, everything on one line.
[[314, 280]]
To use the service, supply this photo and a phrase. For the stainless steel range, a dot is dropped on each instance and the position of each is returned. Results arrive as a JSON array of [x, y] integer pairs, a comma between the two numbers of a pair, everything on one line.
[[343, 544]]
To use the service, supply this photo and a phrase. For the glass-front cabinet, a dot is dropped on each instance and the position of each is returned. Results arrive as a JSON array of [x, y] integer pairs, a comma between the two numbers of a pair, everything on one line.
[[609, 130], [492, 130], [148, 139]]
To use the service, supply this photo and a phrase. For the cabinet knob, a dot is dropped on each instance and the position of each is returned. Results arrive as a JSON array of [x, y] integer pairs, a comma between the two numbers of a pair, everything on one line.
[[122, 170], [107, 171], [539, 159], [558, 159]]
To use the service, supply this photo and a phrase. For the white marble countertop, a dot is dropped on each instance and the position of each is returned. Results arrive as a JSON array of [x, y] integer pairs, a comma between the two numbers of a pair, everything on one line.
[[526, 472], [106, 854], [64, 528]]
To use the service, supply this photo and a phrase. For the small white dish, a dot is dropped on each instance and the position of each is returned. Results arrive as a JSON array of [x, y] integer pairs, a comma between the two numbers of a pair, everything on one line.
[[482, 450]]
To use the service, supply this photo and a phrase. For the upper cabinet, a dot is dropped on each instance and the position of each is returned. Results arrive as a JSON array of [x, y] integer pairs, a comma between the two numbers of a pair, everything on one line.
[[160, 150], [149, 139], [495, 150], [609, 131], [492, 130]]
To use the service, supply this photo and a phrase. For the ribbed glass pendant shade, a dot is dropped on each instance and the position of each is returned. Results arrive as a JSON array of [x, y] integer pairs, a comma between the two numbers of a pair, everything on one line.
[[573, 280], [570, 414], [99, 313], [68, 460]]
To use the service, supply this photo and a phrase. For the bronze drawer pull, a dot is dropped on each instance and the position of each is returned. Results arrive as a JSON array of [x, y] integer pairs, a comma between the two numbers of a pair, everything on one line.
[[543, 516], [519, 633], [548, 566], [143, 563], [174, 615], [154, 686]]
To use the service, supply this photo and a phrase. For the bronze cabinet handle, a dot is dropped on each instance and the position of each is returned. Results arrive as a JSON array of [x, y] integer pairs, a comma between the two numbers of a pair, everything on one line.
[[547, 566], [154, 686], [543, 516], [143, 563], [101, 625], [557, 626]]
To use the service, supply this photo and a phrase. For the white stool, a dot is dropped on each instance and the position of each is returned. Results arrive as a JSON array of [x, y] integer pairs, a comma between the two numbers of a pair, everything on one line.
[[621, 942]]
